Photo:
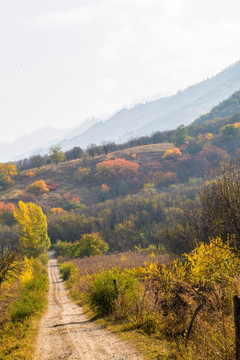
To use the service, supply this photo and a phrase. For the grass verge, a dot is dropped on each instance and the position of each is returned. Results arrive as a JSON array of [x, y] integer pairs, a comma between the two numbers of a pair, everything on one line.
[[18, 333]]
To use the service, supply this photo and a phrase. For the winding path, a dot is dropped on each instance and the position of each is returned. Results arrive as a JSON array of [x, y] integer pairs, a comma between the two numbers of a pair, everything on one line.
[[66, 333]]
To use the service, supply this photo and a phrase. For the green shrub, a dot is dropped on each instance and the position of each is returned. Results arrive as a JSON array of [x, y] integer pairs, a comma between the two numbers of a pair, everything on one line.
[[44, 258], [88, 245], [103, 296], [66, 270], [31, 298]]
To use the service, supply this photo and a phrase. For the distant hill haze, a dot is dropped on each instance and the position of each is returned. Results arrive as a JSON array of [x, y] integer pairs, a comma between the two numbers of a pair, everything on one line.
[[163, 114], [39, 141]]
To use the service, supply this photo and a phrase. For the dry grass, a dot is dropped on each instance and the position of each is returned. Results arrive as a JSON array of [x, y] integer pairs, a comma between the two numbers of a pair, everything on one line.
[[161, 318], [64, 175], [143, 150], [7, 296], [125, 260]]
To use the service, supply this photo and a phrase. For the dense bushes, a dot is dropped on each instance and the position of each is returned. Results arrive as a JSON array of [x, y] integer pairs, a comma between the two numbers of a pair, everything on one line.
[[141, 219], [23, 303], [161, 299], [113, 290], [67, 269], [31, 298], [88, 245]]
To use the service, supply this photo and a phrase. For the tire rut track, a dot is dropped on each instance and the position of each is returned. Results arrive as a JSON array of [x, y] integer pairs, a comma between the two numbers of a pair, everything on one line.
[[66, 333]]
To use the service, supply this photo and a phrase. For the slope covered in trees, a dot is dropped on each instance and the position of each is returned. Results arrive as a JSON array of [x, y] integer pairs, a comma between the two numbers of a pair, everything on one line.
[[226, 108]]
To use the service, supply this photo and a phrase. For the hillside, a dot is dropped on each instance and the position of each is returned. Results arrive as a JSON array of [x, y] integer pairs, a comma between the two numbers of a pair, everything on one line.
[[65, 181], [163, 114], [228, 107], [141, 120]]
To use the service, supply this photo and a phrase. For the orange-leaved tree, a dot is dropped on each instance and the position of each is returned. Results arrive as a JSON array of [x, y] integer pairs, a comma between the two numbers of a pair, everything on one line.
[[38, 187], [6, 213], [105, 188], [117, 168]]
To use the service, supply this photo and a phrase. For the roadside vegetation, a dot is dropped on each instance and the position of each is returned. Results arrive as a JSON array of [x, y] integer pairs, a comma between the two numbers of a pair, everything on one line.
[[23, 278], [154, 304], [147, 234]]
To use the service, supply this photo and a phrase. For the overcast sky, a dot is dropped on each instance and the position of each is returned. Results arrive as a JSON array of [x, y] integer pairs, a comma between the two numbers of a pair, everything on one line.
[[63, 61]]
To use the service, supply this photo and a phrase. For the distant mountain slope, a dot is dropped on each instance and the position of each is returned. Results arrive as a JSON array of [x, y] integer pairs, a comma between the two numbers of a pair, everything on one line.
[[228, 107], [28, 142], [38, 142], [165, 113]]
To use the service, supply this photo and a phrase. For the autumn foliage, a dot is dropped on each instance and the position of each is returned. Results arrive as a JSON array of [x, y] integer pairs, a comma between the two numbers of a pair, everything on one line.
[[6, 212], [121, 168], [82, 173], [38, 187], [231, 130], [105, 188], [33, 228], [30, 173], [57, 210], [7, 172], [172, 154], [52, 185]]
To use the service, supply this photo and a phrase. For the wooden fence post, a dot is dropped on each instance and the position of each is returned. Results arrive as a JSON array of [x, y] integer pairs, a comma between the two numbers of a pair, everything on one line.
[[115, 286], [236, 304], [191, 323]]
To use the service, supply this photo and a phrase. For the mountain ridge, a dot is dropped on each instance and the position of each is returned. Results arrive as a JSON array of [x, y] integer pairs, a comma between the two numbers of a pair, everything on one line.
[[143, 119], [165, 113]]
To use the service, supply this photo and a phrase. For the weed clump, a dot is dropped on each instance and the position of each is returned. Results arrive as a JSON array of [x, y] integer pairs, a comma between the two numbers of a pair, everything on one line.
[[66, 270], [31, 298], [113, 290]]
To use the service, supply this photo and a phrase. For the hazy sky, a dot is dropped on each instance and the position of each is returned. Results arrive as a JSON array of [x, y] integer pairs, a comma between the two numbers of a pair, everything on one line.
[[65, 60]]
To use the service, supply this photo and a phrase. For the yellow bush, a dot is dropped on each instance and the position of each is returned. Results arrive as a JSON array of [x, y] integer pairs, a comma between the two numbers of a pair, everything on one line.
[[215, 262], [27, 270], [38, 187], [58, 210], [30, 173], [172, 154]]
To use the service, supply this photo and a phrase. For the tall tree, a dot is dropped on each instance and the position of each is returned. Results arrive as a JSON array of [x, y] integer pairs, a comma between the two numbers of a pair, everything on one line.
[[180, 135], [33, 228], [220, 201], [56, 154], [75, 153], [11, 262]]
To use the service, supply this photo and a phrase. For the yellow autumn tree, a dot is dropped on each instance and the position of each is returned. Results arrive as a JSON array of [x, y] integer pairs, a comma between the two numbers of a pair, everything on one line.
[[7, 172], [33, 228]]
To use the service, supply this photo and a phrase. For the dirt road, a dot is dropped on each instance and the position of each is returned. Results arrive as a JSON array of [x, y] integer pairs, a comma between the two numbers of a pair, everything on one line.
[[66, 333]]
